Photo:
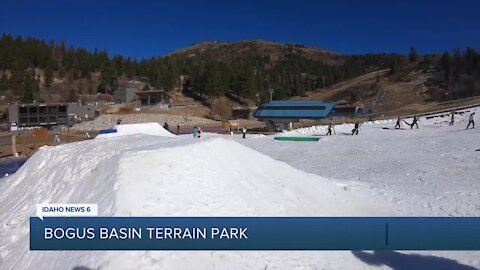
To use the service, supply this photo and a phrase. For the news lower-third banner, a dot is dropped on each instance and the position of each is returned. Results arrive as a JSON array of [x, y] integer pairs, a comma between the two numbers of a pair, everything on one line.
[[254, 233]]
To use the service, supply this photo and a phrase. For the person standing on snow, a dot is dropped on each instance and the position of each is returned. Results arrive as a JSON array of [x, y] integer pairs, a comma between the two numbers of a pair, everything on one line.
[[165, 126], [200, 132], [414, 122], [397, 126], [355, 129], [195, 132], [329, 129], [452, 121], [415, 119], [57, 138], [178, 129], [244, 131], [470, 121]]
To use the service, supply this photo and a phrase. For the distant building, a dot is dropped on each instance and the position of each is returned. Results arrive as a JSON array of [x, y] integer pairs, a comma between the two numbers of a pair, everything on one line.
[[48, 114], [243, 113], [125, 94], [279, 113], [146, 97], [153, 97], [83, 112], [294, 110], [97, 99]]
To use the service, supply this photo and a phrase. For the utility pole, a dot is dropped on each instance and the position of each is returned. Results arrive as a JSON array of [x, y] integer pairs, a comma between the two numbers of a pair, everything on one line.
[[68, 127], [14, 144], [271, 91]]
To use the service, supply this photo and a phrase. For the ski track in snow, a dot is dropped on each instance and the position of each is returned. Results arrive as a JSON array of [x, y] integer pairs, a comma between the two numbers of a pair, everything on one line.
[[432, 171]]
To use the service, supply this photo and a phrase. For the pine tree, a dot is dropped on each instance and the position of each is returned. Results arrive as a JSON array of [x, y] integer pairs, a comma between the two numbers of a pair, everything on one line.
[[108, 78], [4, 85], [72, 97], [413, 56], [48, 76], [446, 62], [30, 87]]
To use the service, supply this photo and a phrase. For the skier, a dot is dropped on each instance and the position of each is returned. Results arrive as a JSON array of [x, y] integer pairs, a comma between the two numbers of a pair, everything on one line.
[[329, 129], [244, 131], [452, 121], [165, 126], [397, 126], [195, 132], [355, 129], [470, 121], [199, 132], [414, 122]]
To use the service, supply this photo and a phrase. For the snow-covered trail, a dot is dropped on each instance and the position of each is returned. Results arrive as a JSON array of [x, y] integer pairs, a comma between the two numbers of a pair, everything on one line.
[[83, 172], [155, 176], [431, 171], [242, 182]]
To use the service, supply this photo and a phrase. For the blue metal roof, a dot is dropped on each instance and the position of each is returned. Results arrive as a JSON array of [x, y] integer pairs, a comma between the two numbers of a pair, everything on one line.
[[294, 110]]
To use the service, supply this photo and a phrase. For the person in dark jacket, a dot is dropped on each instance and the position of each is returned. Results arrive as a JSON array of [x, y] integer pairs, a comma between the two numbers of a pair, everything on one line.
[[452, 120], [355, 129], [470, 121], [165, 126], [329, 129], [178, 129], [414, 122], [397, 126]]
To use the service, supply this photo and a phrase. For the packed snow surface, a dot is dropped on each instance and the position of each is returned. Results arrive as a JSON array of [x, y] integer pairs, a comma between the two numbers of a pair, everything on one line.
[[154, 129], [432, 171]]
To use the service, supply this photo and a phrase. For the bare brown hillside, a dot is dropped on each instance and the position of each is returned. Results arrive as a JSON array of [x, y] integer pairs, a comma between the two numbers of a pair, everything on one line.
[[380, 91], [274, 50]]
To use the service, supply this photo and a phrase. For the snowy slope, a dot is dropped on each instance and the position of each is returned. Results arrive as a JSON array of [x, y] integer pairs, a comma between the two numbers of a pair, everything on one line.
[[154, 129], [148, 175], [431, 171]]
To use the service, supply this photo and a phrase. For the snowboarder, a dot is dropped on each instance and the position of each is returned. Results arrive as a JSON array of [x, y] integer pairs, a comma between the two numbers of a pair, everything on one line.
[[199, 132], [119, 121], [244, 132], [165, 126], [355, 129], [452, 121], [329, 129], [414, 122], [470, 121], [397, 126], [195, 132]]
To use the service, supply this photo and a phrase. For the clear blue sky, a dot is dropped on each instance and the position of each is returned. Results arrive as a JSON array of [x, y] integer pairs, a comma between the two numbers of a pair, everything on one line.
[[143, 29]]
